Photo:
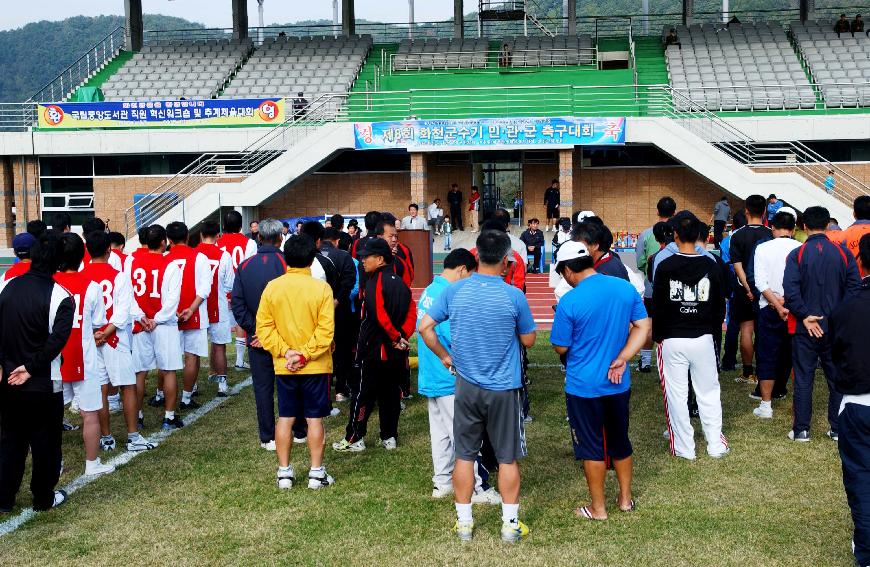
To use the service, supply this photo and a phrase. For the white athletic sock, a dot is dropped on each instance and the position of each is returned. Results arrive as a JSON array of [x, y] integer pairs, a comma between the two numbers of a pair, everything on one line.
[[463, 512], [284, 469], [141, 413], [133, 436], [645, 357], [169, 415], [185, 396], [240, 351], [115, 398], [509, 512], [765, 405], [318, 471]]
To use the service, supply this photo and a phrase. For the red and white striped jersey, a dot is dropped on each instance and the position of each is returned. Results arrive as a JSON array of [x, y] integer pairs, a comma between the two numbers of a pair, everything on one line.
[[79, 356], [238, 246], [156, 288], [195, 282], [118, 300], [222, 277]]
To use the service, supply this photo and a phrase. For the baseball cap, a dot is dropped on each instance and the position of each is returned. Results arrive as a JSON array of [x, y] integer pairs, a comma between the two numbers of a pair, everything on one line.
[[376, 247], [571, 250], [788, 210], [22, 243]]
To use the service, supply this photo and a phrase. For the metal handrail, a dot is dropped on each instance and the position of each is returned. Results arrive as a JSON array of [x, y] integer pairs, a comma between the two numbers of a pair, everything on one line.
[[221, 166], [792, 155], [81, 69], [559, 57]]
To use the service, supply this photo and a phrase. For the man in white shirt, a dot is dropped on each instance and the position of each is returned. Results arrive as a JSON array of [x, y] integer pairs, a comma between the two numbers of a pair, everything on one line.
[[435, 214], [413, 221], [773, 343]]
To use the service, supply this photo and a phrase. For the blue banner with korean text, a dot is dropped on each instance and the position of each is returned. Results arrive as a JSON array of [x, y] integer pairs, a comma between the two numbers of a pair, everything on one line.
[[492, 133], [162, 113]]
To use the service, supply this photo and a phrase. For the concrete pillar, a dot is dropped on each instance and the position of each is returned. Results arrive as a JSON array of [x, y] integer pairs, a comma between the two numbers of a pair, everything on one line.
[[7, 200], [458, 20], [571, 15], [566, 182], [133, 24], [419, 178], [25, 184], [688, 12], [240, 19], [808, 10], [348, 17]]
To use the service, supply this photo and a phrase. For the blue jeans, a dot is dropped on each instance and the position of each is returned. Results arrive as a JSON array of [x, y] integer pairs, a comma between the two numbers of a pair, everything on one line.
[[447, 238], [807, 354]]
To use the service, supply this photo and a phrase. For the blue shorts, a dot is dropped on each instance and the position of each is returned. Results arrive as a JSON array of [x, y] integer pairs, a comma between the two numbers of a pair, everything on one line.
[[306, 395], [599, 427]]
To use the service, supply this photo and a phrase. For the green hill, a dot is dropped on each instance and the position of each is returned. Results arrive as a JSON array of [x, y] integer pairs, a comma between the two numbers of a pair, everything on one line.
[[33, 55]]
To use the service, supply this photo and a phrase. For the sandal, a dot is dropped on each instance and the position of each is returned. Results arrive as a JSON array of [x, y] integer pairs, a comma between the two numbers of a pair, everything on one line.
[[586, 514]]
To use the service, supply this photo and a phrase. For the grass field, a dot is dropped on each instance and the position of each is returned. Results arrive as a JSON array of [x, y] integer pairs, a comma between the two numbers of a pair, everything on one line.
[[207, 496]]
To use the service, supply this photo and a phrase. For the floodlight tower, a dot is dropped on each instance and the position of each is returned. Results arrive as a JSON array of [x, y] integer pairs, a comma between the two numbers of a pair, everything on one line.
[[262, 25]]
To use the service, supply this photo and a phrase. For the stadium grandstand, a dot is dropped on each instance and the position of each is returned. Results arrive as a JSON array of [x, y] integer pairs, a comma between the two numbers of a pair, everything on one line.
[[738, 103]]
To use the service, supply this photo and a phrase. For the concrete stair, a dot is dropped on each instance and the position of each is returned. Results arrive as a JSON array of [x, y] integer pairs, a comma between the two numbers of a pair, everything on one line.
[[539, 295]]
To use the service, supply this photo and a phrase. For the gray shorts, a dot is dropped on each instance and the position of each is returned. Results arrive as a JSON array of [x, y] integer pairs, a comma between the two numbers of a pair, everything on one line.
[[497, 413]]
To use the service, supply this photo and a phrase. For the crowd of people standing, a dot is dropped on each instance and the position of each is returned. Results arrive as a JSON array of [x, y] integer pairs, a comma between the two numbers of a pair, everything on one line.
[[328, 316]]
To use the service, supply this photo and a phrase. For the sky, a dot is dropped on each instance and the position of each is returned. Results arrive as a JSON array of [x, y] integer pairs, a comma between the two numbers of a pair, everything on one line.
[[218, 13]]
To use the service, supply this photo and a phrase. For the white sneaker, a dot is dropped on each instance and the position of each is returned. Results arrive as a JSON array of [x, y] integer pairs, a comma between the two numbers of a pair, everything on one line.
[[107, 443], [490, 496], [763, 412], [300, 440], [98, 468], [270, 446], [388, 444], [318, 482], [223, 388], [243, 366], [285, 478], [344, 446], [442, 491], [140, 445], [334, 412], [340, 398], [722, 454]]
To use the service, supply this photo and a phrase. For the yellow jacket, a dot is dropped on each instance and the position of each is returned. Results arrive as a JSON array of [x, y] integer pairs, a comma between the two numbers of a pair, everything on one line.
[[296, 312]]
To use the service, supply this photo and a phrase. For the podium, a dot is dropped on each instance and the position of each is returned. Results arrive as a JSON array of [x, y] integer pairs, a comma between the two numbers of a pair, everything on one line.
[[420, 244]]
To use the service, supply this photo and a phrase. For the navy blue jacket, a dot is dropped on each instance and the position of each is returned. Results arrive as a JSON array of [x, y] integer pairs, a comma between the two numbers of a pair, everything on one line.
[[849, 343], [818, 277], [251, 279]]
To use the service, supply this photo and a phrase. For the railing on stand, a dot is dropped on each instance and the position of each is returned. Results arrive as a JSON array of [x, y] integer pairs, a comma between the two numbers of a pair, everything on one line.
[[17, 116], [790, 155], [82, 69], [217, 167]]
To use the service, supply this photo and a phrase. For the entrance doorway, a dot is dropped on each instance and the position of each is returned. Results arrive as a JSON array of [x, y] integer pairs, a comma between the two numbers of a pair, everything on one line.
[[501, 187]]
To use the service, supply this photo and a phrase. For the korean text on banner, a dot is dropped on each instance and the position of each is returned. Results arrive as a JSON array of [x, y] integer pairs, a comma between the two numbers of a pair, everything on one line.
[[489, 133], [157, 113]]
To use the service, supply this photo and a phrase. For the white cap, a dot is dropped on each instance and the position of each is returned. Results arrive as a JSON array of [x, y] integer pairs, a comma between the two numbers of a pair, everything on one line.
[[583, 215], [571, 250], [788, 210]]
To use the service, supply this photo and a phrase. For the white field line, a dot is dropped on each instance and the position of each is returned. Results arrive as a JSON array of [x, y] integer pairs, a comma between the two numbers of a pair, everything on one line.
[[25, 515]]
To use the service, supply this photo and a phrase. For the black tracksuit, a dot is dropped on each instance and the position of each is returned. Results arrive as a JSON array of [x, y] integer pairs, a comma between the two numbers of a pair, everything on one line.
[[536, 240], [342, 356], [454, 199], [389, 313], [848, 331], [37, 318]]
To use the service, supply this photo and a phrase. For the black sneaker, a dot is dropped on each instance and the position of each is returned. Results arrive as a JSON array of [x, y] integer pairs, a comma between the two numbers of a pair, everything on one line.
[[756, 394], [174, 423], [60, 497], [645, 368], [155, 401], [189, 405], [779, 395]]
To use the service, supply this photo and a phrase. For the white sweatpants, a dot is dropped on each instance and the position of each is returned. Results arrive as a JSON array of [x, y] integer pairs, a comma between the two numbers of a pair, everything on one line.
[[443, 450], [677, 357]]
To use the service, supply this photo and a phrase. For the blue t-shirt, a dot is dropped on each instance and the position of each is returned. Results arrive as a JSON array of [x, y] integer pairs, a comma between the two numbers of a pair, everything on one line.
[[433, 380], [592, 320], [486, 318]]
